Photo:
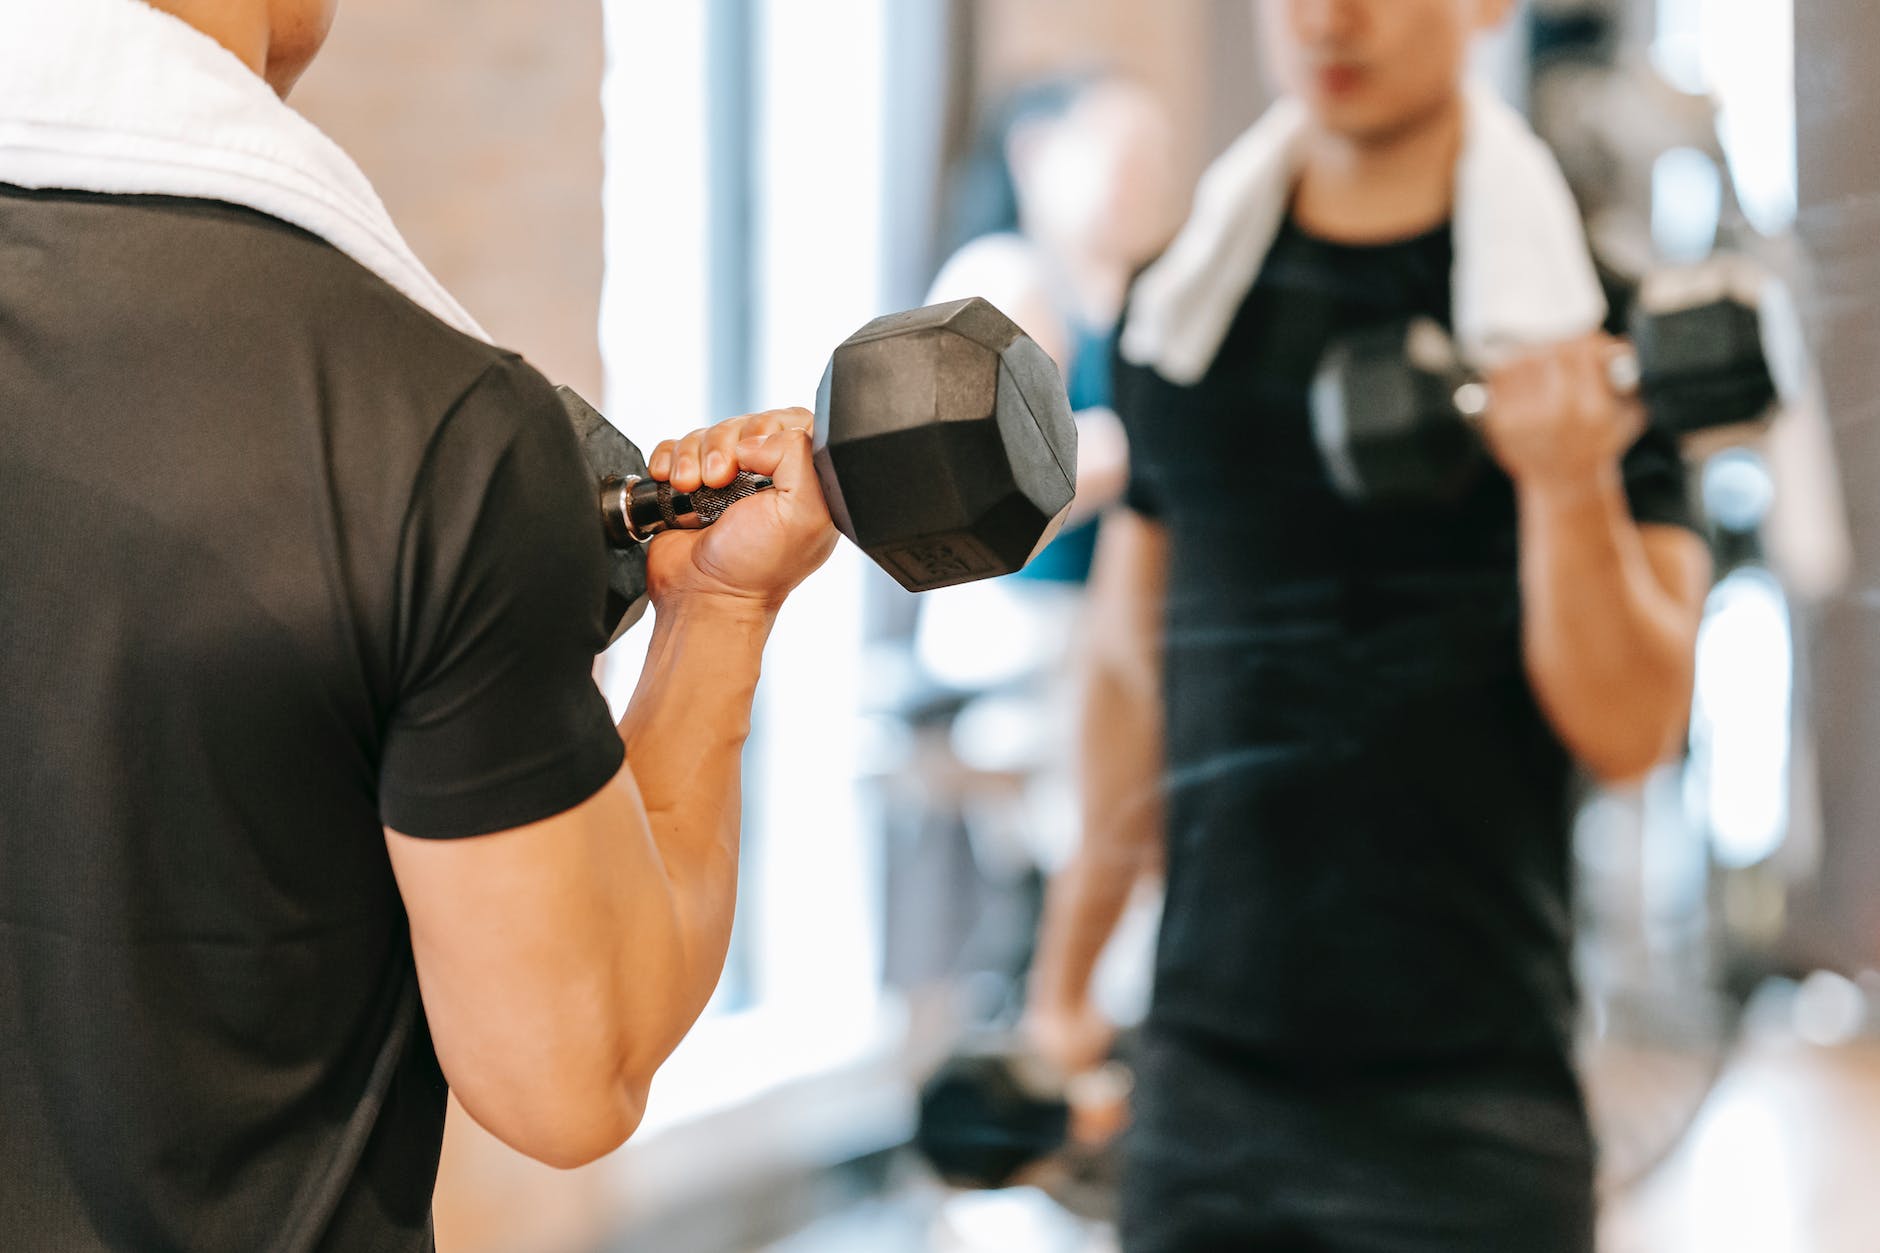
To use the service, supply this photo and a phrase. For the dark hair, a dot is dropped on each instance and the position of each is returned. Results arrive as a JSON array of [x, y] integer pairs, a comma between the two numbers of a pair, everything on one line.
[[982, 195]]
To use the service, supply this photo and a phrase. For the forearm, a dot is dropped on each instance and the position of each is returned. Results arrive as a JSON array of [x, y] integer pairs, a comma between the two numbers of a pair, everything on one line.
[[684, 732], [1608, 647], [1122, 839]]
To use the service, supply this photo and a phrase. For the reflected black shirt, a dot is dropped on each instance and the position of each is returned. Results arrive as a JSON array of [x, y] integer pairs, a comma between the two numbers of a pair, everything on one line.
[[1367, 815], [283, 559]]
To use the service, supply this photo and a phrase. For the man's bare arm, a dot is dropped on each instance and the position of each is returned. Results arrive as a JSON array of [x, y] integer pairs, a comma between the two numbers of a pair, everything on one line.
[[1609, 623], [562, 962], [1610, 609], [1122, 751]]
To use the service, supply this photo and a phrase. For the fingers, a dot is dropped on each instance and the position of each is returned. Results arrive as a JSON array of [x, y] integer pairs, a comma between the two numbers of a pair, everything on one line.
[[1557, 413], [1585, 381], [1605, 417], [1571, 381], [1607, 353], [784, 456], [718, 452], [709, 456], [1515, 387]]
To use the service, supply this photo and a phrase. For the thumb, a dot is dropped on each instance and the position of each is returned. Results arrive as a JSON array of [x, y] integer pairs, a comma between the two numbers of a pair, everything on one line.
[[784, 457]]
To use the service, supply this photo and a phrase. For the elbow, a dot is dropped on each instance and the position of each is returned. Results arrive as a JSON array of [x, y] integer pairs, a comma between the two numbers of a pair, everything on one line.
[[571, 1124], [1620, 730], [607, 1121], [1625, 755], [1621, 767]]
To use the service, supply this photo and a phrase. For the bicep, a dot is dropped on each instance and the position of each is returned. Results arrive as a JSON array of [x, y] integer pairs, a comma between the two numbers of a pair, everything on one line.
[[1681, 566], [514, 934], [516, 835]]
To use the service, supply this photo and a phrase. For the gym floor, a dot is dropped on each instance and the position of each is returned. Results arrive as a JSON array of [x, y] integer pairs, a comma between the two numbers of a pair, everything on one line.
[[1782, 1159]]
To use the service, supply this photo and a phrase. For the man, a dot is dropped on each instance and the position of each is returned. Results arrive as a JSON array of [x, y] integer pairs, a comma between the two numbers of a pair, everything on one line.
[[1353, 729], [301, 584]]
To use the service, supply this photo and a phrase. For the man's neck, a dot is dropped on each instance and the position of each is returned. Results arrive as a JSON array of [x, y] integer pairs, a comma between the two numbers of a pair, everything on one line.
[[241, 28], [1375, 189]]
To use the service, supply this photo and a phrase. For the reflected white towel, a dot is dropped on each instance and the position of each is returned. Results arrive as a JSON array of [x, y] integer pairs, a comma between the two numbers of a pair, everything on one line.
[[1523, 273], [113, 96]]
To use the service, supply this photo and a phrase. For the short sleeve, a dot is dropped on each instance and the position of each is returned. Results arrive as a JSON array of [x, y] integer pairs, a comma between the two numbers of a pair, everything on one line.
[[1657, 486], [501, 586]]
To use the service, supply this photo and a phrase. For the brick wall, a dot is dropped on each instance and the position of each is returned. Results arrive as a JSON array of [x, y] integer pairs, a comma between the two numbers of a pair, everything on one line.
[[1200, 56], [480, 123]]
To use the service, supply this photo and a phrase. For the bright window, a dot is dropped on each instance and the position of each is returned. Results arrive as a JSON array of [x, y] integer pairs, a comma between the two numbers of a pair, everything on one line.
[[1743, 53], [745, 203]]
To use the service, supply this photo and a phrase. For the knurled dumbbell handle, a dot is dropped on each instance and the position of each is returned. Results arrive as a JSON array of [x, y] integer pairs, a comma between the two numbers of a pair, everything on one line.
[[1622, 371], [636, 509]]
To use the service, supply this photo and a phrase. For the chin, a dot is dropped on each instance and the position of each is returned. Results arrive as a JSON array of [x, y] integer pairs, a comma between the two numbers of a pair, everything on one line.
[[1347, 117], [1363, 121]]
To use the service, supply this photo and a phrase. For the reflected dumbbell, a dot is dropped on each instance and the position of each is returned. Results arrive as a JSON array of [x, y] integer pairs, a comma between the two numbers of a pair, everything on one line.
[[1395, 412], [944, 446], [997, 1115]]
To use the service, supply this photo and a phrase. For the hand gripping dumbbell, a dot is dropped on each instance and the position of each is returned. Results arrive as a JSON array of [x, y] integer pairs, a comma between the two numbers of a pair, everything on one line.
[[1395, 412], [996, 1115], [944, 446]]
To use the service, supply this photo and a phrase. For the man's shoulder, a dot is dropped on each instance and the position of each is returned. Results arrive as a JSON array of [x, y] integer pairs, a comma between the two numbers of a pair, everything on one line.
[[316, 289], [278, 292], [259, 331]]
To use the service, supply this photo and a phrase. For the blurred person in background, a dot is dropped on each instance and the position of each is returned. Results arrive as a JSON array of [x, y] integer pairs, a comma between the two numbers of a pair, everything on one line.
[[1351, 732], [1071, 192]]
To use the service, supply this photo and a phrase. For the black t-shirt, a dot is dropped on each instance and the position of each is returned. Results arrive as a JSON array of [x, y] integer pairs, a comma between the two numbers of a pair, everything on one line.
[[1367, 814], [284, 558]]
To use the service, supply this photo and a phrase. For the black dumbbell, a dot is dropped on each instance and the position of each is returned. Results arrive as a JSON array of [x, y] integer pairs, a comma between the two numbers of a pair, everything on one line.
[[995, 1115], [944, 445], [1395, 411]]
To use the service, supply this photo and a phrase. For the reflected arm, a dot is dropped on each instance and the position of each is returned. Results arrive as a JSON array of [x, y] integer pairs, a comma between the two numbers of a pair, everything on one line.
[[1122, 756], [1610, 612]]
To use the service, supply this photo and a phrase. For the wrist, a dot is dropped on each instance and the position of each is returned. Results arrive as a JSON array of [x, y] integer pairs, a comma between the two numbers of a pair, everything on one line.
[[1571, 490], [718, 606]]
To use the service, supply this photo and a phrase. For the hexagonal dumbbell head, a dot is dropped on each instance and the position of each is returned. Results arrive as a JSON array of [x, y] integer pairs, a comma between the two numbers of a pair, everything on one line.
[[609, 454], [1699, 332], [945, 444], [1385, 420]]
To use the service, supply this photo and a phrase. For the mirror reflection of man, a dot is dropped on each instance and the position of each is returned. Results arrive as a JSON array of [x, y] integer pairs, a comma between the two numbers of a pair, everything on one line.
[[1353, 732]]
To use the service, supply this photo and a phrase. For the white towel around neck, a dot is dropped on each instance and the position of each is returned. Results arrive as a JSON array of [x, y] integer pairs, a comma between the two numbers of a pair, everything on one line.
[[1523, 274], [116, 97]]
